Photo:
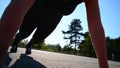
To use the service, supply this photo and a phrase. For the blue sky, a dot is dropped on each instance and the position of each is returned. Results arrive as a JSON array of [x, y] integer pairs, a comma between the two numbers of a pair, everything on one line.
[[110, 16]]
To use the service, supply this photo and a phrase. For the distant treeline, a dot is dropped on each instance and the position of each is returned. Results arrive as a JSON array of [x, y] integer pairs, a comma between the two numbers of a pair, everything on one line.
[[84, 49]]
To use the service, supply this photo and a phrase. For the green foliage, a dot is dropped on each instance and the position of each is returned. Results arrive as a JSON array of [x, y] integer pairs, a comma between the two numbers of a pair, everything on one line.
[[40, 45], [113, 48], [22, 44], [85, 47], [68, 49], [116, 44], [113, 44], [54, 48]]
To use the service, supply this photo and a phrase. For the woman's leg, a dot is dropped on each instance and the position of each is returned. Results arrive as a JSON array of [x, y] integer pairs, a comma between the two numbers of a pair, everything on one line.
[[10, 22]]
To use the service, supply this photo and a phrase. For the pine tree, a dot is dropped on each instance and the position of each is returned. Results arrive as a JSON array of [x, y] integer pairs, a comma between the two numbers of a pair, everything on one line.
[[74, 33]]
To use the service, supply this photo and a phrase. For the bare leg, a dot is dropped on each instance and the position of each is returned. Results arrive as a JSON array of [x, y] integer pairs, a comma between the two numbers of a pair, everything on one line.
[[10, 23]]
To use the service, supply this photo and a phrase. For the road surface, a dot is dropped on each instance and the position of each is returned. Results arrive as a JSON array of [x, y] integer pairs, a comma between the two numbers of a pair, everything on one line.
[[44, 59]]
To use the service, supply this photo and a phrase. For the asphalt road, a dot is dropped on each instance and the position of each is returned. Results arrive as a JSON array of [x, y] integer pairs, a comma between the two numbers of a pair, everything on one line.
[[44, 59]]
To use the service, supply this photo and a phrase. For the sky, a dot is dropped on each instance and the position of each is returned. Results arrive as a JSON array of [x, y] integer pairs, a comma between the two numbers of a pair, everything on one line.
[[110, 16]]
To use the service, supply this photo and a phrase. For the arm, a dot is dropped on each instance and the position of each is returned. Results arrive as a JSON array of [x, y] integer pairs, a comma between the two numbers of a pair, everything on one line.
[[96, 31], [10, 22]]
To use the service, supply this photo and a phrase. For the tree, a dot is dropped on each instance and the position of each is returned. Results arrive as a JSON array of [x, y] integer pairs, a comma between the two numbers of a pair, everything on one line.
[[74, 33], [116, 49], [54, 48], [85, 47], [40, 45], [58, 48], [109, 45], [67, 49], [113, 48]]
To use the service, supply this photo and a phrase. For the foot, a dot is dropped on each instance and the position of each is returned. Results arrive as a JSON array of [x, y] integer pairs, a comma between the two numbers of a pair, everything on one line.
[[13, 49], [28, 50]]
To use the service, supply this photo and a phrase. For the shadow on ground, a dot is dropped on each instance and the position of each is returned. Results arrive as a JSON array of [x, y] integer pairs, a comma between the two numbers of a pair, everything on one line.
[[23, 62]]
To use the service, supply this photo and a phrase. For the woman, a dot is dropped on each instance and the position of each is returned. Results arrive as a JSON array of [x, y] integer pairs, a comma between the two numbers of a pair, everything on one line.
[[15, 12]]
